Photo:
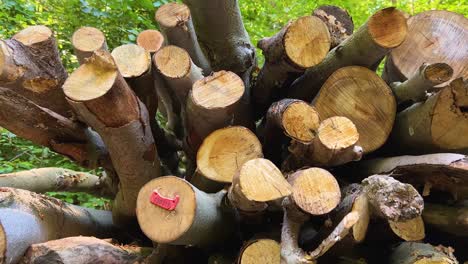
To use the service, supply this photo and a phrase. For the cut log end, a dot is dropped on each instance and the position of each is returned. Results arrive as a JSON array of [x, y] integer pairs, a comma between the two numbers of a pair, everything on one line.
[[93, 79], [307, 41], [410, 230], [33, 35], [260, 251], [151, 40], [438, 73], [337, 133], [315, 190], [88, 39], [224, 151], [261, 181], [173, 62], [132, 60], [219, 90], [172, 14], [385, 35], [300, 121], [162, 225]]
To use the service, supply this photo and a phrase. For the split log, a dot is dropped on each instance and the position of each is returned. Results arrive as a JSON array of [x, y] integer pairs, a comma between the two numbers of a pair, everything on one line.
[[366, 47], [416, 253], [87, 40], [339, 22], [221, 155], [434, 125], [98, 93], [445, 171], [288, 119], [46, 128], [427, 77], [215, 102], [222, 36], [360, 95], [176, 24], [257, 182], [79, 250], [27, 218], [449, 219], [260, 251], [424, 44], [299, 45], [134, 63], [57, 179], [335, 143], [30, 65], [151, 40], [181, 214]]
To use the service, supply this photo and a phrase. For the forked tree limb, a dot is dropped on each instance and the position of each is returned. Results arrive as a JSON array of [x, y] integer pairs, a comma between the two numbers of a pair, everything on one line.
[[299, 45], [339, 22], [80, 250], [177, 26], [99, 95], [412, 253], [427, 77], [222, 36], [27, 218], [57, 179], [366, 47], [30, 65], [87, 40]]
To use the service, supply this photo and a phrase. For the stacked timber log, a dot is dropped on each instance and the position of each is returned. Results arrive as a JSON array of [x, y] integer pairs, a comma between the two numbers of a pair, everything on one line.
[[304, 160]]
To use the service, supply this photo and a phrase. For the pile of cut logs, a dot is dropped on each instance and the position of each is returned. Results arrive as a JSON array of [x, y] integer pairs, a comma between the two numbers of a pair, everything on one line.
[[299, 161]]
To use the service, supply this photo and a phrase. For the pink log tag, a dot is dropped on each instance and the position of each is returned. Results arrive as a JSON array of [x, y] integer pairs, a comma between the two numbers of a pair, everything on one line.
[[164, 202]]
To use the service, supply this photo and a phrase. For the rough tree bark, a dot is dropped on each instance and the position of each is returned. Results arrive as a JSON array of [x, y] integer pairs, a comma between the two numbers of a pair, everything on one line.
[[434, 125], [151, 40], [366, 47], [427, 77], [57, 179], [87, 40], [339, 22], [415, 253], [259, 251], [98, 93], [360, 95], [222, 36], [177, 26], [196, 218], [27, 218], [335, 143], [222, 153], [30, 65], [299, 45], [424, 44]]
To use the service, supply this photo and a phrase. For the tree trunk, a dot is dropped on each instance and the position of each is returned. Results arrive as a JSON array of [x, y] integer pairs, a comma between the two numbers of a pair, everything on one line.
[[339, 22], [301, 44], [366, 47], [151, 40], [57, 179], [414, 253], [30, 65], [260, 251], [360, 95], [222, 36], [427, 77], [87, 40], [27, 218], [79, 250], [288, 119], [434, 125], [335, 143], [424, 44], [213, 103], [222, 153], [176, 24], [194, 218], [99, 95], [449, 219]]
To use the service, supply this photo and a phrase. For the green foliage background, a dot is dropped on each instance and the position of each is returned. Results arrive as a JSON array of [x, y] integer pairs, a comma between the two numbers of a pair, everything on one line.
[[121, 20]]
